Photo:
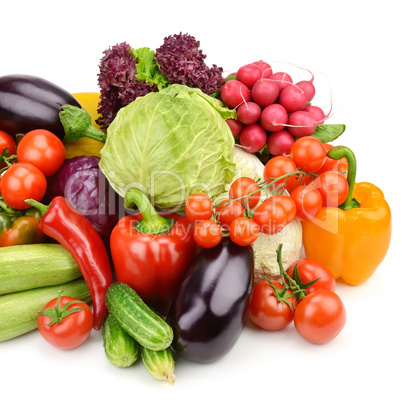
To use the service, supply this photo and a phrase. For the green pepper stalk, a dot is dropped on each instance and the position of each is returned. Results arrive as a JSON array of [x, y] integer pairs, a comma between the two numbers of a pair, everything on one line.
[[152, 222], [338, 153], [77, 124]]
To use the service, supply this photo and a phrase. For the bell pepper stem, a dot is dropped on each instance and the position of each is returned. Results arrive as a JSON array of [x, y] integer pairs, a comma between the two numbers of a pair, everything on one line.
[[338, 153], [42, 208], [152, 222], [77, 124]]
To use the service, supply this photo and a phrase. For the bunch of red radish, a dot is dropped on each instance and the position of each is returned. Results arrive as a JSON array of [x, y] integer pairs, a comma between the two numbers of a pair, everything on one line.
[[271, 109]]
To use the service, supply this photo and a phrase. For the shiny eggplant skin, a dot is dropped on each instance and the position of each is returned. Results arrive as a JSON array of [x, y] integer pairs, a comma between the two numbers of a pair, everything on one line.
[[28, 102], [210, 309]]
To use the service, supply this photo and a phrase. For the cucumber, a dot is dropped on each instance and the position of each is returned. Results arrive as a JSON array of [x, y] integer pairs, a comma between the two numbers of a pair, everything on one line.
[[32, 266], [136, 318], [19, 311], [120, 348], [159, 363]]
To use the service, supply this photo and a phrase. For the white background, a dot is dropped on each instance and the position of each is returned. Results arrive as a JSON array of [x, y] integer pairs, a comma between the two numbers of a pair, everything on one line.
[[354, 47]]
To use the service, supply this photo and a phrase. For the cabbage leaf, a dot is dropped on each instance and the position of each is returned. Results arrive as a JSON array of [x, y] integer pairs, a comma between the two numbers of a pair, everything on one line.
[[170, 144]]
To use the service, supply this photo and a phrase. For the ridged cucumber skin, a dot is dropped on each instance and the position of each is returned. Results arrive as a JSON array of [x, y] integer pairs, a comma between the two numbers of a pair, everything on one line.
[[19, 311], [31, 266], [159, 363], [136, 318], [120, 348]]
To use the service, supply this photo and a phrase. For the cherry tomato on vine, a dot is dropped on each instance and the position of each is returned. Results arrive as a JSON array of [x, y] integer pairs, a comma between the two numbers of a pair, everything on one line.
[[271, 217], [20, 182], [309, 270], [329, 163], [287, 202], [270, 308], [227, 211], [6, 141], [308, 201], [343, 167], [243, 187], [277, 167], [244, 231], [333, 188], [198, 207], [297, 180], [72, 328], [42, 149], [207, 233], [308, 153], [320, 317]]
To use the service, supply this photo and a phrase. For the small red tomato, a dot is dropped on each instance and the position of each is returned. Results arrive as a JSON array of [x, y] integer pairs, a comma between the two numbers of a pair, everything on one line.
[[333, 187], [207, 233], [227, 211], [42, 149], [308, 201], [310, 270], [246, 191], [244, 231], [6, 141], [320, 317], [276, 167], [270, 308], [20, 182], [63, 328], [271, 217], [198, 207], [308, 153], [287, 202]]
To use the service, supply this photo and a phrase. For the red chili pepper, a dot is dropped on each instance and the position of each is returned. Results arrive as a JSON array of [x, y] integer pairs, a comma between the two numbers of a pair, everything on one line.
[[63, 223], [152, 252]]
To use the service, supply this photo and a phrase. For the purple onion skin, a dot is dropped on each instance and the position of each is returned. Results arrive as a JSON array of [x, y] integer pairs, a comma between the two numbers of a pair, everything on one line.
[[210, 309], [83, 184]]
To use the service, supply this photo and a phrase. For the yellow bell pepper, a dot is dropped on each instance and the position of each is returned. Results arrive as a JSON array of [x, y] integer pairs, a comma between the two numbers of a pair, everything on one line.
[[86, 146], [351, 240]]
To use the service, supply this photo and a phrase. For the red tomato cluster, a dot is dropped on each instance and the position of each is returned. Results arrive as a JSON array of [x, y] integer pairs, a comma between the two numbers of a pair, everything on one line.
[[40, 154], [271, 110], [305, 296], [312, 179], [242, 215]]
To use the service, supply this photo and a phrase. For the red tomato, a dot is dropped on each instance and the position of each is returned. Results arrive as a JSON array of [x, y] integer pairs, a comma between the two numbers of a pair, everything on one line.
[[270, 309], [309, 270], [329, 163], [207, 233], [277, 167], [287, 202], [242, 188], [227, 211], [333, 188], [271, 217], [308, 201], [297, 180], [244, 231], [72, 330], [320, 317], [20, 182], [308, 153], [6, 141], [42, 149], [198, 207]]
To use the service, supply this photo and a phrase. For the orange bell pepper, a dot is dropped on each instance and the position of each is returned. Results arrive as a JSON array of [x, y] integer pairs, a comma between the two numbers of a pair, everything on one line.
[[353, 239]]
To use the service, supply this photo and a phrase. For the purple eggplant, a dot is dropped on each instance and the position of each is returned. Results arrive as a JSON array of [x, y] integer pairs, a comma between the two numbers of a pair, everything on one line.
[[28, 102], [210, 309]]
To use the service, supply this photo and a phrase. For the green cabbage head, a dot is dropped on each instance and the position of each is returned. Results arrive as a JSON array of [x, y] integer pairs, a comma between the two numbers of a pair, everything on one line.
[[170, 144]]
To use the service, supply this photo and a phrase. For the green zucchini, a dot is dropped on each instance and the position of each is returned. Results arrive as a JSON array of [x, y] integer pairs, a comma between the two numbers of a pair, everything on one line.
[[19, 311], [159, 363], [136, 318], [120, 348], [32, 266]]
